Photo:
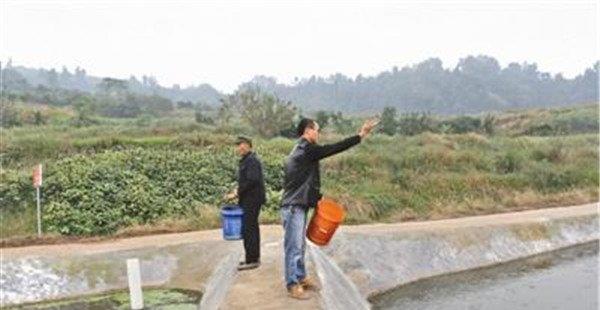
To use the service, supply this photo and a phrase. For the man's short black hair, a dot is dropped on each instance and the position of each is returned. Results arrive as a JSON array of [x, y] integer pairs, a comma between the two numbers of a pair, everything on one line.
[[242, 139], [304, 123]]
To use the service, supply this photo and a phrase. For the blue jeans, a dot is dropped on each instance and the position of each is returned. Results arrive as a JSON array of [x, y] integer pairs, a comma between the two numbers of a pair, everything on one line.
[[294, 243]]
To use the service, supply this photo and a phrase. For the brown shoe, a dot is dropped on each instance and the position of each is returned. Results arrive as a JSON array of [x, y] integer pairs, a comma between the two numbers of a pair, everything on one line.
[[297, 292], [310, 284]]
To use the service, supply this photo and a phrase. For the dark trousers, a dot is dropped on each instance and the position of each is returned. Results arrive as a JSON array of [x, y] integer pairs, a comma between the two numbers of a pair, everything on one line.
[[251, 233]]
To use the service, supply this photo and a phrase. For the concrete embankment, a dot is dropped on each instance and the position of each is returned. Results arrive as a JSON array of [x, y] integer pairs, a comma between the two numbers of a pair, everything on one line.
[[381, 257], [360, 262], [37, 273]]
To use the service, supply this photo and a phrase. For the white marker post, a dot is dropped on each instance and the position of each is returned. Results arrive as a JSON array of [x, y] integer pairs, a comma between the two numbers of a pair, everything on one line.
[[135, 284], [37, 183]]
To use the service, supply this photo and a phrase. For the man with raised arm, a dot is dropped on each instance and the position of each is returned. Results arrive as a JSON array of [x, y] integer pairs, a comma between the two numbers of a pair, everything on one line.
[[302, 191]]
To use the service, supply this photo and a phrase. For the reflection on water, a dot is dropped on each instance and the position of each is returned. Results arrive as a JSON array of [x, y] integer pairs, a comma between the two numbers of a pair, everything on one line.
[[565, 279]]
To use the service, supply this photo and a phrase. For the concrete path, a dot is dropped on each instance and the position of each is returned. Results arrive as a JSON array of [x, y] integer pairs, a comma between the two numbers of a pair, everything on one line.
[[273, 232], [490, 220], [263, 288]]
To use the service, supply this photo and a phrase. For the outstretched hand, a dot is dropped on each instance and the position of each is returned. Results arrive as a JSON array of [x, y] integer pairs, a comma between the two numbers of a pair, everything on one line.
[[367, 127]]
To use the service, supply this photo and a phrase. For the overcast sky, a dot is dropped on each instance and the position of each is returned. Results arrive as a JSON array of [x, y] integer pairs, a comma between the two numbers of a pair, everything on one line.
[[225, 43]]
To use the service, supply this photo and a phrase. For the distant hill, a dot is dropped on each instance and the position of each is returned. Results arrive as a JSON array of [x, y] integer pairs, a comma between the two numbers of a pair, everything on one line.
[[81, 81], [476, 84]]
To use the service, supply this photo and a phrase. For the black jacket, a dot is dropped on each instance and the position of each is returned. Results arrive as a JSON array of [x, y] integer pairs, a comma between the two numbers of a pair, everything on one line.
[[302, 184], [251, 182]]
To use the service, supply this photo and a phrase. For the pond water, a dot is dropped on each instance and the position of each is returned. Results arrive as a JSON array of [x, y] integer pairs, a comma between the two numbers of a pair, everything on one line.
[[564, 279]]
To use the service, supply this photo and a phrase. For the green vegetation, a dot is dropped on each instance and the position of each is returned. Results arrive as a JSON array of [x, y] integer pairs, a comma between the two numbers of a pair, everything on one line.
[[134, 175], [565, 121], [99, 194], [154, 298], [557, 122], [445, 175], [269, 115]]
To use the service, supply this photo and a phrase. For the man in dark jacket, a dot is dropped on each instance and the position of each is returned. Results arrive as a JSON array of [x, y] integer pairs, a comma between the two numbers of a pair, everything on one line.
[[251, 196], [302, 191]]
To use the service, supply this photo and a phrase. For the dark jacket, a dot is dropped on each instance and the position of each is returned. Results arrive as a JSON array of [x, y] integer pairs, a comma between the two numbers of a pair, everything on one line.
[[251, 182], [302, 182]]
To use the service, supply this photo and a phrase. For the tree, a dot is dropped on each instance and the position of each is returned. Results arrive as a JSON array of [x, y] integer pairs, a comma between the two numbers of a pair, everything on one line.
[[341, 124], [155, 105], [81, 81], [149, 82], [9, 115], [322, 118], [202, 118], [389, 124], [184, 104], [415, 123], [489, 124], [52, 79], [463, 124], [65, 78], [12, 80], [264, 112], [112, 87], [38, 118], [84, 108]]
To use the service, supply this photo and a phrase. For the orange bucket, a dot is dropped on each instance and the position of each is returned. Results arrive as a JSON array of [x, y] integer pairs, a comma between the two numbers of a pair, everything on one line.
[[325, 221]]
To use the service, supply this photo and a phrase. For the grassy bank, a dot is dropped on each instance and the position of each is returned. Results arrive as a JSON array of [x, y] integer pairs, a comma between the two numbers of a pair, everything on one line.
[[432, 176]]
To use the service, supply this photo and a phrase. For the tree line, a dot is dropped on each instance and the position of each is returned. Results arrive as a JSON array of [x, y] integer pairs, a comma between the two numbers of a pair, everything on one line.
[[476, 84], [19, 79]]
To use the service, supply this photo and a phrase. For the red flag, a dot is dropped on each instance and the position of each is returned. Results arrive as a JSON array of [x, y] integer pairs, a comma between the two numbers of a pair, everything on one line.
[[37, 176]]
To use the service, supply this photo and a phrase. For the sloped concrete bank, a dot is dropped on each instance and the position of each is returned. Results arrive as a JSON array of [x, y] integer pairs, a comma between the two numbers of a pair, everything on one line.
[[41, 273], [360, 262], [378, 258]]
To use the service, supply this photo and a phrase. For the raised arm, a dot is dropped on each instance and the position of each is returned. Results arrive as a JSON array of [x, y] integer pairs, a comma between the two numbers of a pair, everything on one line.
[[317, 152]]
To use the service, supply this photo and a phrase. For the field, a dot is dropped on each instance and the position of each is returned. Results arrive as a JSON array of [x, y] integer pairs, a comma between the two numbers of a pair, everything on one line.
[[147, 175]]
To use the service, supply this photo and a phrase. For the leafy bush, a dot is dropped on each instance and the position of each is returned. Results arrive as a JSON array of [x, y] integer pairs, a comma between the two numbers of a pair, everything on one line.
[[463, 124], [554, 152], [389, 125], [341, 124], [39, 118], [322, 118], [578, 123], [489, 124], [114, 189], [9, 115], [202, 118], [415, 123], [15, 190], [551, 178], [565, 122], [541, 130], [509, 162]]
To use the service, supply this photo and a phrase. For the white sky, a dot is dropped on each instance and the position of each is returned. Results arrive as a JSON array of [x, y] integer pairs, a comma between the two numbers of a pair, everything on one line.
[[225, 43]]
